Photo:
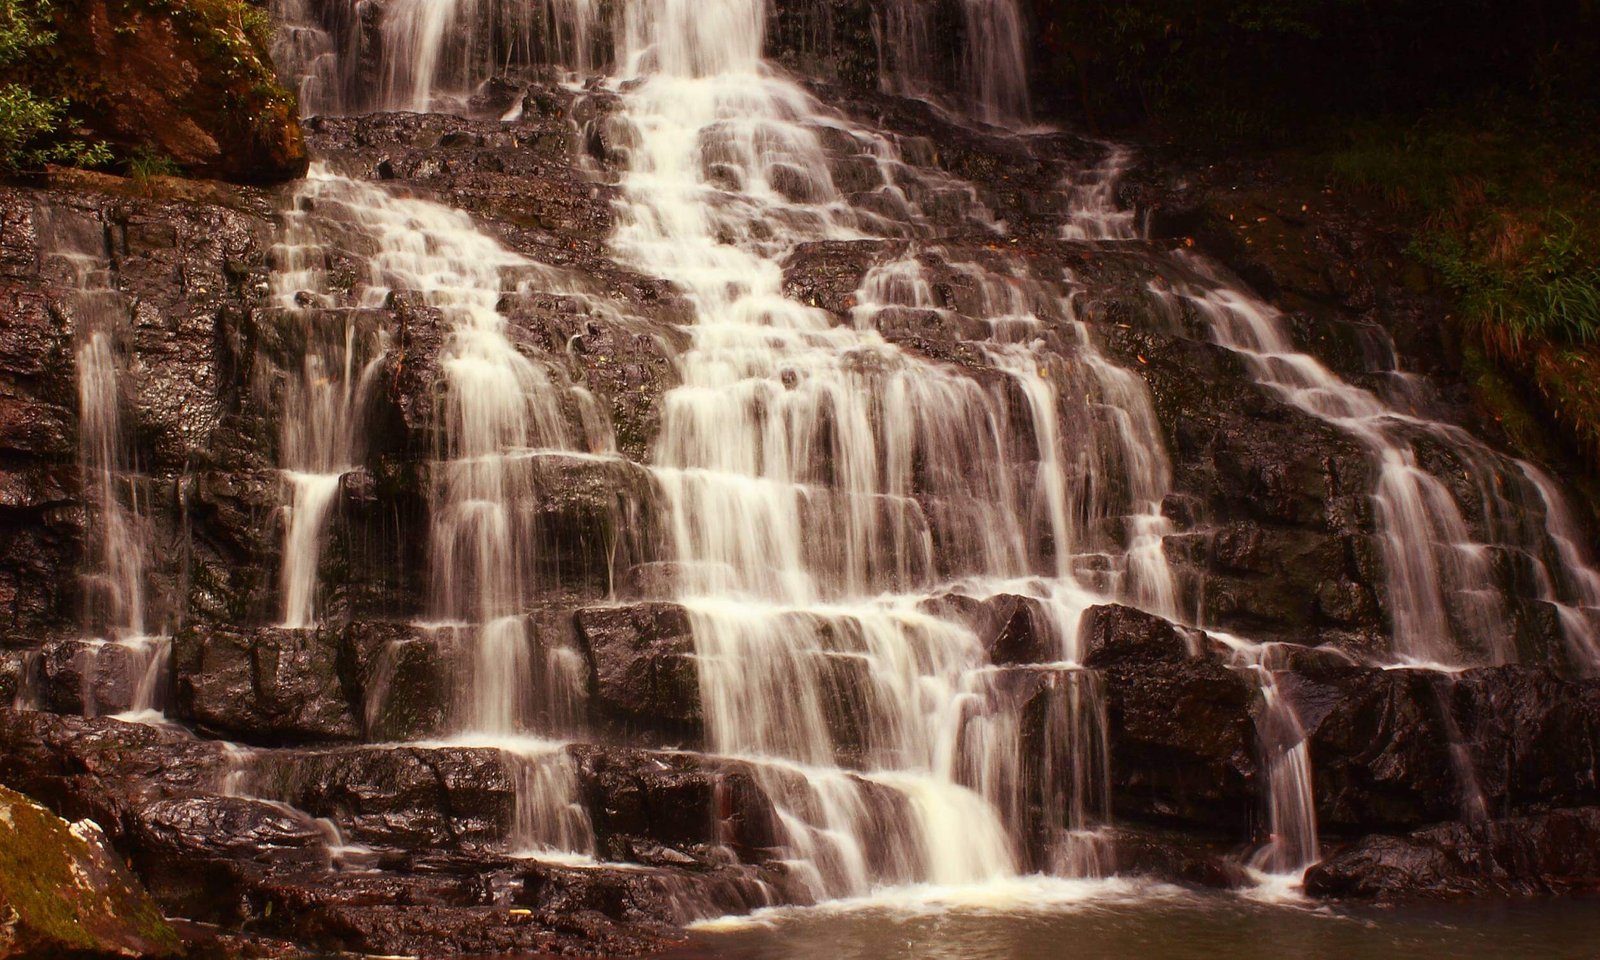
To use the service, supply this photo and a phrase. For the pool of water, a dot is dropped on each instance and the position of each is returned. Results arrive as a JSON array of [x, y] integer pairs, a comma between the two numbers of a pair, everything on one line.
[[1048, 920]]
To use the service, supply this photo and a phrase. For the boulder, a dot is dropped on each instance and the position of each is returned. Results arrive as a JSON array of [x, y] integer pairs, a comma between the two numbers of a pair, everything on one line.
[[1379, 743], [411, 798], [1182, 730], [65, 893], [1554, 852], [642, 660]]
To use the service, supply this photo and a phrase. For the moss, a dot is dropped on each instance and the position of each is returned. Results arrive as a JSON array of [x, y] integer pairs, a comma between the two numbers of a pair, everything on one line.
[[40, 860]]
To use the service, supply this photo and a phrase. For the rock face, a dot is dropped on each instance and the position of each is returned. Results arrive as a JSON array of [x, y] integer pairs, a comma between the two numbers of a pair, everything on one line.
[[66, 893], [190, 83], [1182, 727], [263, 685]]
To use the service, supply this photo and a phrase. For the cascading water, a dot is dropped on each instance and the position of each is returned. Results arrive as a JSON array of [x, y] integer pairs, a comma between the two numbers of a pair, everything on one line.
[[114, 581], [1446, 602], [989, 82], [824, 486], [500, 413], [838, 499], [421, 55], [322, 405]]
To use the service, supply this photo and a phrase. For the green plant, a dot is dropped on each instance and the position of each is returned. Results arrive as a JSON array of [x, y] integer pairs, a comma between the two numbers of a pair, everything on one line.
[[147, 162], [33, 128], [1544, 292]]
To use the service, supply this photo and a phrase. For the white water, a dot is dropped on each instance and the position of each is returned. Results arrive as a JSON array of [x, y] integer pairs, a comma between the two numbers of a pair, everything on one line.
[[1445, 601], [823, 485], [500, 411], [357, 56], [989, 82], [114, 579], [323, 399]]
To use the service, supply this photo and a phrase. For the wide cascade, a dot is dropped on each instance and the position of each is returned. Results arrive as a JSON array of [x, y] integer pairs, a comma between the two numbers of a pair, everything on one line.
[[635, 478]]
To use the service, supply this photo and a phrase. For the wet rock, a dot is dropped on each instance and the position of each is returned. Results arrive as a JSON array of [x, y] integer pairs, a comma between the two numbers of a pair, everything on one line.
[[407, 678], [1013, 629], [642, 661], [102, 769], [202, 855], [1533, 737], [66, 893], [1555, 852], [1378, 741], [266, 685], [80, 676], [638, 800], [1116, 636], [1178, 858], [410, 798], [1183, 744]]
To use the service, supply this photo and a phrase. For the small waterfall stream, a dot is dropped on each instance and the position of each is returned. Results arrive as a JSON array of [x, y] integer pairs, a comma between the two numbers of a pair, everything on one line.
[[116, 620]]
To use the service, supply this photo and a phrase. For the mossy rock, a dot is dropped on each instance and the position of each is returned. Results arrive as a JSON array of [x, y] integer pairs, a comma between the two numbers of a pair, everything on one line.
[[64, 894]]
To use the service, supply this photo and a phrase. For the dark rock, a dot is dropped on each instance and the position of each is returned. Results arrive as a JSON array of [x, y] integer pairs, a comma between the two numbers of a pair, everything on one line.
[[265, 685], [638, 800], [410, 798], [1113, 635], [103, 769], [1555, 852], [1533, 737], [1178, 858], [202, 855], [79, 676], [1378, 741], [642, 660], [407, 677], [1182, 731]]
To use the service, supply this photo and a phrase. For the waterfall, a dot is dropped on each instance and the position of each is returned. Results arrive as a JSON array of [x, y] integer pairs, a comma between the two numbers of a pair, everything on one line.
[[988, 80], [1445, 601], [500, 412], [321, 406], [824, 485], [114, 580], [419, 55]]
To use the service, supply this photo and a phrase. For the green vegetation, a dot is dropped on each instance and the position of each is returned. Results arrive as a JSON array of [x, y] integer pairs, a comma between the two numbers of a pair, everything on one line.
[[45, 889], [1504, 204], [147, 162], [34, 129], [153, 86]]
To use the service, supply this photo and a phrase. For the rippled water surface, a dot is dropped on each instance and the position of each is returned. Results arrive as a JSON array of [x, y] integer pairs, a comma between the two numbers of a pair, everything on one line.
[[1125, 921]]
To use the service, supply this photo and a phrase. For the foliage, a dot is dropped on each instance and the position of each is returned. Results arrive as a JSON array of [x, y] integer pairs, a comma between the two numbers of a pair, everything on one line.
[[1503, 197], [33, 127], [1548, 292], [147, 162]]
